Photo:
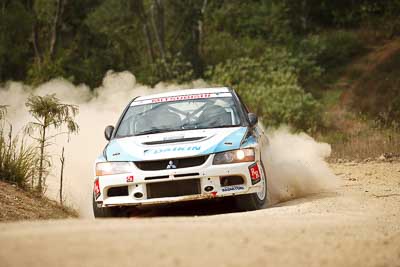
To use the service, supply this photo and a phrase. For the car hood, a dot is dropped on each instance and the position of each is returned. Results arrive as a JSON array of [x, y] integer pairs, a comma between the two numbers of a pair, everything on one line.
[[176, 144]]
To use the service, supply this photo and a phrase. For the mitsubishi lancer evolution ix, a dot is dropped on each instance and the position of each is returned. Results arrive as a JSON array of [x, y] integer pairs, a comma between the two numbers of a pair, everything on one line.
[[181, 146]]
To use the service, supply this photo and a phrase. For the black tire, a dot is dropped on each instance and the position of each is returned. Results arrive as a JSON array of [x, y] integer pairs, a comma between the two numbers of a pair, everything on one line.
[[252, 201], [106, 212]]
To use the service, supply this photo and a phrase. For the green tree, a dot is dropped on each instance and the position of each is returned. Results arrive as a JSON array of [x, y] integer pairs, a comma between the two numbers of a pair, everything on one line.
[[15, 31], [48, 113], [271, 88]]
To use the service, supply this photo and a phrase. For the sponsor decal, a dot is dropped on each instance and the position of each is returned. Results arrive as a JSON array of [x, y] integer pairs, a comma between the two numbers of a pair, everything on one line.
[[96, 188], [179, 98], [171, 165], [254, 173], [129, 179], [233, 188], [172, 149]]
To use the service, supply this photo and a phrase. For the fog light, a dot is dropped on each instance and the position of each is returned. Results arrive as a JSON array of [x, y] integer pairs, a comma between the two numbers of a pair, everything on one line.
[[208, 188], [138, 195]]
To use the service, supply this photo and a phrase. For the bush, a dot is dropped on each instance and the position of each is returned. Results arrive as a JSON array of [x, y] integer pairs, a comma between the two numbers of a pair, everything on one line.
[[221, 46], [46, 70], [173, 68], [335, 48], [270, 86], [17, 162], [170, 69]]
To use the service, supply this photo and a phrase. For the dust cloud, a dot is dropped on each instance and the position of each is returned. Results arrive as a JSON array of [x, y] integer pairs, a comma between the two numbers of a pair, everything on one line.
[[295, 163], [295, 166]]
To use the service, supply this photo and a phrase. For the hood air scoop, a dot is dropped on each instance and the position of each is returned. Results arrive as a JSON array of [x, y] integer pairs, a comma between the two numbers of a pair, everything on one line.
[[170, 141]]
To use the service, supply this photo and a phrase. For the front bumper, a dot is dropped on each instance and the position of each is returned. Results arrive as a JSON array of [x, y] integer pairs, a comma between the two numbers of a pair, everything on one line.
[[209, 180]]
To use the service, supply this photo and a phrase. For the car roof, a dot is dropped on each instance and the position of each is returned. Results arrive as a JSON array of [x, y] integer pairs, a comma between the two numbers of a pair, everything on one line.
[[183, 92]]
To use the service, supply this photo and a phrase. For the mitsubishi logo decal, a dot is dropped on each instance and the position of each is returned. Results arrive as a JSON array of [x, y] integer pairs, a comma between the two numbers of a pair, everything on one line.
[[171, 165]]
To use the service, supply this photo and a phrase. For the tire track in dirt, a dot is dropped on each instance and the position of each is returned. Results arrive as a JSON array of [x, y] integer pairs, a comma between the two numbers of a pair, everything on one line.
[[349, 227]]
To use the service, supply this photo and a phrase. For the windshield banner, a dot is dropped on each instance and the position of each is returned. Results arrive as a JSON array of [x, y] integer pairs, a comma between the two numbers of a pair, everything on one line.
[[179, 98]]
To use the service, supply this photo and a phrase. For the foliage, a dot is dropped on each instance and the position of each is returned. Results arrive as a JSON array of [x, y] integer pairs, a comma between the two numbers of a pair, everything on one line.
[[336, 47], [17, 162], [269, 19], [49, 69], [172, 68], [382, 17], [48, 113], [165, 40], [82, 40], [378, 93], [271, 88], [15, 31]]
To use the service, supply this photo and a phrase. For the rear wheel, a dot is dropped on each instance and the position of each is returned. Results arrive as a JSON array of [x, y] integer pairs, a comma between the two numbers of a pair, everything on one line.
[[106, 212], [254, 201]]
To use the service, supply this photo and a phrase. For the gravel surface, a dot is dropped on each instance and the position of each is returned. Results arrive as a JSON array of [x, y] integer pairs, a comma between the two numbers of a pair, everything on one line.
[[358, 225]]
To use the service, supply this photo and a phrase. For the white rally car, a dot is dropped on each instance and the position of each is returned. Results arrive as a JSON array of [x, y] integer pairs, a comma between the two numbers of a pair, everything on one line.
[[180, 146]]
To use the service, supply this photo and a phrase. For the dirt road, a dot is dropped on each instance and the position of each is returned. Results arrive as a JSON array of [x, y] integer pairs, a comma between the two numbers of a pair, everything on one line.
[[359, 225]]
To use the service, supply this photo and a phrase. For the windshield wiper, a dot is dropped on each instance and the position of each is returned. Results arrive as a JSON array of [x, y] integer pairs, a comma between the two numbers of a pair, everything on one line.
[[156, 130]]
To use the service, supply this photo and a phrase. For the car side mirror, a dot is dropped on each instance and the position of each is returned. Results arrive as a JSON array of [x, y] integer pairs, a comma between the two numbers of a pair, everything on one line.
[[108, 132], [253, 119]]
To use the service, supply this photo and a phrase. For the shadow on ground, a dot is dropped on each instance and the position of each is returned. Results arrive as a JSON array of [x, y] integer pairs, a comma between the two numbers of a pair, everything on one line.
[[190, 208], [212, 207]]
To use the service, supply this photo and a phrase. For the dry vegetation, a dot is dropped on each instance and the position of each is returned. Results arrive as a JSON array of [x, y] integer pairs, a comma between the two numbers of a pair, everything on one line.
[[369, 86], [17, 204]]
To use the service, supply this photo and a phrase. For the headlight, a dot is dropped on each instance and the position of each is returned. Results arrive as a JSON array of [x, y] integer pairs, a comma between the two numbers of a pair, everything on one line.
[[108, 168], [234, 156]]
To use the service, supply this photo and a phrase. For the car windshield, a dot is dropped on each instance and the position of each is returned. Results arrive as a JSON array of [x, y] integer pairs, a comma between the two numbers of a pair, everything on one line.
[[179, 115]]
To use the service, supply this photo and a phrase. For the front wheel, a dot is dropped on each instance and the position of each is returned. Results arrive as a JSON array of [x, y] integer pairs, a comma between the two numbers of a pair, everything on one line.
[[254, 201], [106, 212]]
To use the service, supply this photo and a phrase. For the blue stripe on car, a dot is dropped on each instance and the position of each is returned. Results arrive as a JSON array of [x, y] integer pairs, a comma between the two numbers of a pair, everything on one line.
[[117, 152], [234, 139]]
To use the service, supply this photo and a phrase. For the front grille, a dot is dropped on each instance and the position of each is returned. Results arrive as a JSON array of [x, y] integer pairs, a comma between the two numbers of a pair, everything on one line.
[[173, 188], [176, 175], [178, 163], [117, 191]]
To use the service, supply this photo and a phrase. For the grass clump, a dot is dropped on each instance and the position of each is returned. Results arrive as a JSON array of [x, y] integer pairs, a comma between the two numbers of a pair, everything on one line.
[[17, 160]]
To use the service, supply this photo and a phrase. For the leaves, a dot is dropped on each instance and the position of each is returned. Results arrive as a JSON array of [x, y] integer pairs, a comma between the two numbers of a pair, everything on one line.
[[17, 160], [270, 86], [94, 36], [49, 113]]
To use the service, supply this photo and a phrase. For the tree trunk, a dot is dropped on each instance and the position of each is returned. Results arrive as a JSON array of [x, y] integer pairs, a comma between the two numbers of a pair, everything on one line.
[[138, 8], [200, 26], [196, 59], [41, 159], [62, 160], [305, 10], [157, 19], [54, 28], [149, 42], [35, 44]]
